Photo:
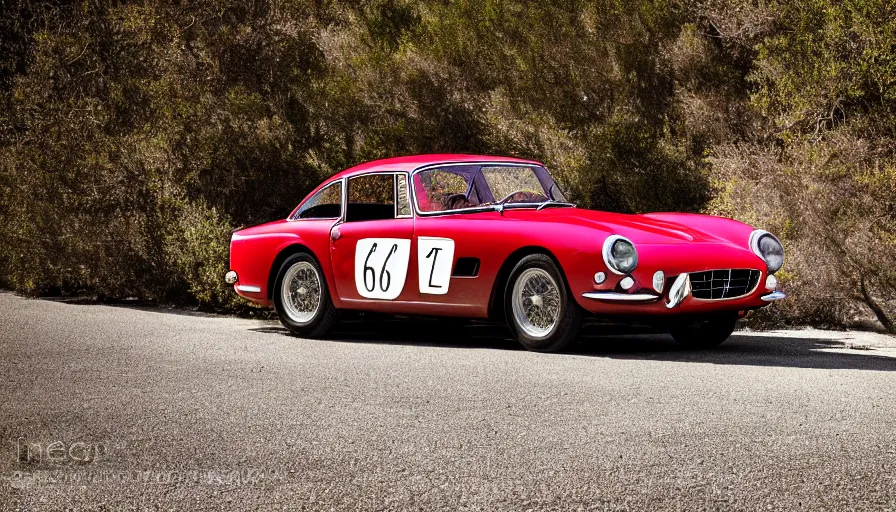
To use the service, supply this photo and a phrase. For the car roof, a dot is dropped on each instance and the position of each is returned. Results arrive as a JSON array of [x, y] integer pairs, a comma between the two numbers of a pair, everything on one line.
[[409, 163]]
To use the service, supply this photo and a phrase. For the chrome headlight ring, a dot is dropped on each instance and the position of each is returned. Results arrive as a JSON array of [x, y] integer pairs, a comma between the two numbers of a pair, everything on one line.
[[755, 238], [607, 253]]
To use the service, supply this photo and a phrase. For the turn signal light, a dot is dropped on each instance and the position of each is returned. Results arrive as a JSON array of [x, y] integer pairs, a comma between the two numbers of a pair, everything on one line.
[[659, 280]]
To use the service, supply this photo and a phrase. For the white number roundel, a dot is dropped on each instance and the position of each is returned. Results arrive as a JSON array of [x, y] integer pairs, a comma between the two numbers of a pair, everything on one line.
[[381, 267]]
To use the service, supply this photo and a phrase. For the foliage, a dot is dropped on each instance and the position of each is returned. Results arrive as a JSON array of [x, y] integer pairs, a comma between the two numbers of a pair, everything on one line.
[[135, 136], [820, 170]]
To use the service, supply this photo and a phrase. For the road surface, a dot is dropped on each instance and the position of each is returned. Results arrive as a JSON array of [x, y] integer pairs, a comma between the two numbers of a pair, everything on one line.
[[108, 407]]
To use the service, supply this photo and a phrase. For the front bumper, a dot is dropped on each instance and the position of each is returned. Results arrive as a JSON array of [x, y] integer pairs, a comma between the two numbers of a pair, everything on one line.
[[676, 298], [623, 297]]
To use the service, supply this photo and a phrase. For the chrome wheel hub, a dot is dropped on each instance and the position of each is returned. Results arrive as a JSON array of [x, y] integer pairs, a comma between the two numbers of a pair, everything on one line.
[[535, 303], [301, 292]]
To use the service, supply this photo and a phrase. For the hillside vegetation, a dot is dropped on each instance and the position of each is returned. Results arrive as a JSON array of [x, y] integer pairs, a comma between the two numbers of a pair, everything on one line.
[[135, 136]]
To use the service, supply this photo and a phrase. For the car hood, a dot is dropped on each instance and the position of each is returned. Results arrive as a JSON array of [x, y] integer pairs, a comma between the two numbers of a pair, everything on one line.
[[652, 228]]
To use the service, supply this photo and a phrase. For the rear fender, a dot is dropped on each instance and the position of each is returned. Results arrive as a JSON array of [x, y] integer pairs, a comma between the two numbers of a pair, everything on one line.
[[256, 258]]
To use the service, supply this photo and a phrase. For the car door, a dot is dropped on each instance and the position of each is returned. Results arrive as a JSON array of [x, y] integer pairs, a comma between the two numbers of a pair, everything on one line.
[[371, 247], [455, 239]]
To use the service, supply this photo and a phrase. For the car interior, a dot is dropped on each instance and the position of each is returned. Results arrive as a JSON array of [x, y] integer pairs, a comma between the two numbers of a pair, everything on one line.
[[357, 212]]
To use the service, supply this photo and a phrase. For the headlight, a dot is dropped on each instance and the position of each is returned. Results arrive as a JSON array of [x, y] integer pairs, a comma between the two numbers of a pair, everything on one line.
[[620, 254], [769, 248]]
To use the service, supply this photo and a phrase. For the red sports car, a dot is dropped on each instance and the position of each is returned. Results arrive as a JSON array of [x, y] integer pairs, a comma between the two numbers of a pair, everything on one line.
[[494, 237]]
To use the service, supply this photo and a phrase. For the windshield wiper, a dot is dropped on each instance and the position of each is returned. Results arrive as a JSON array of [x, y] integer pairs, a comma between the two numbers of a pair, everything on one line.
[[500, 207], [551, 202]]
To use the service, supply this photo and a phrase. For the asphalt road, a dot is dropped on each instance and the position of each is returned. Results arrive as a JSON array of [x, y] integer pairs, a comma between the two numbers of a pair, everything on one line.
[[129, 408]]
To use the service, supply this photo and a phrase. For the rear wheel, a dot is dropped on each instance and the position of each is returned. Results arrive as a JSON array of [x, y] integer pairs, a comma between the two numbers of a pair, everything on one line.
[[301, 297], [704, 332], [538, 305]]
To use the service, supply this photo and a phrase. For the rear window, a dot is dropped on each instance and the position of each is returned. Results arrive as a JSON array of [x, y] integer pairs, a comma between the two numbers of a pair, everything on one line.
[[326, 204]]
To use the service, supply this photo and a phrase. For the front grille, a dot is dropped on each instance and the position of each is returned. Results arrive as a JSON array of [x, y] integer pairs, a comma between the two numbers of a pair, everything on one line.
[[723, 284]]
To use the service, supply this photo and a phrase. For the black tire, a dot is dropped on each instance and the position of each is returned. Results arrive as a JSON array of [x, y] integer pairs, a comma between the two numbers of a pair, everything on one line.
[[569, 320], [704, 332], [323, 318]]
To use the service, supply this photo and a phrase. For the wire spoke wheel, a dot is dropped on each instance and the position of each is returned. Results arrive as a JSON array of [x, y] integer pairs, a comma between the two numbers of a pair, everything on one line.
[[301, 292], [536, 302]]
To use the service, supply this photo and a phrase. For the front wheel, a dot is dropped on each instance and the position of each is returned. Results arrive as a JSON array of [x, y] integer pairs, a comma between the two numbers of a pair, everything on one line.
[[301, 297], [539, 307], [706, 332]]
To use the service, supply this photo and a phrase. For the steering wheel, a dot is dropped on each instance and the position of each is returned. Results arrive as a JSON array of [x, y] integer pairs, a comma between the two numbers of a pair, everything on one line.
[[523, 196], [456, 202]]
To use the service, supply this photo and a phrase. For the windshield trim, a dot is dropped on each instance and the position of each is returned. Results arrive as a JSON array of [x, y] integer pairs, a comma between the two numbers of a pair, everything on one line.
[[471, 209]]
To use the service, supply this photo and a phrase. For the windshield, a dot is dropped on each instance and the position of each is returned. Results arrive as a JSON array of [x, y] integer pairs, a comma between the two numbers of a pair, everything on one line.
[[515, 185], [477, 186]]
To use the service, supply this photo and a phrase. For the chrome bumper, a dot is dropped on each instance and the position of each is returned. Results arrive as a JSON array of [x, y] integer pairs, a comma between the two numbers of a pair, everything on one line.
[[623, 297], [680, 290]]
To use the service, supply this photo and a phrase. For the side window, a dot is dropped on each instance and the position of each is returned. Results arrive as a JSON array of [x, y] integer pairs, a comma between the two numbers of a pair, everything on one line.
[[326, 204], [403, 201], [371, 197], [440, 190]]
